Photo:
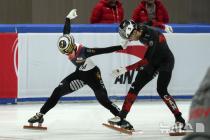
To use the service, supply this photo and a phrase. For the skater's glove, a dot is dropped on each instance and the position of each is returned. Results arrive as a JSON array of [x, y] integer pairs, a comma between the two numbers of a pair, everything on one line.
[[168, 29], [118, 72], [124, 43], [72, 14]]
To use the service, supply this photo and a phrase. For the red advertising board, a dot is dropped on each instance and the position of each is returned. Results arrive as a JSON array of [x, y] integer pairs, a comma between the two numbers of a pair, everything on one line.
[[8, 65]]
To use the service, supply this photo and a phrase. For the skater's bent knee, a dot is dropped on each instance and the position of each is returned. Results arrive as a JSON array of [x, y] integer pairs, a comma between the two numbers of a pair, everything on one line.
[[162, 91], [60, 91]]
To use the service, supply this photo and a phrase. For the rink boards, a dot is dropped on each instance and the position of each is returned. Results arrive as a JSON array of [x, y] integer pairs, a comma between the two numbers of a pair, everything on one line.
[[35, 66]]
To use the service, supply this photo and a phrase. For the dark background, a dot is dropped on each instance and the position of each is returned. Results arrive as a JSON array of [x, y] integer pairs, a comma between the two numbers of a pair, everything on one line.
[[54, 11]]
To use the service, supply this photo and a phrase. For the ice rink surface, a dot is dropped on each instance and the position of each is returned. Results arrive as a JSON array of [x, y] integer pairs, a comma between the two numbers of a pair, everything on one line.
[[83, 121]]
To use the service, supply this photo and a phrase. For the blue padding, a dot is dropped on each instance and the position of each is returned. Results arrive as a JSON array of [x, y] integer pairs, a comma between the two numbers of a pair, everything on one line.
[[8, 100], [58, 28], [93, 28], [7, 28], [191, 28], [83, 98], [39, 28], [92, 98], [75, 28]]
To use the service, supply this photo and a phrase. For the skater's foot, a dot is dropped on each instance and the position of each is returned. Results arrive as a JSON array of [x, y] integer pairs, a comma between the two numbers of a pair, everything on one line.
[[180, 121], [121, 122], [38, 118]]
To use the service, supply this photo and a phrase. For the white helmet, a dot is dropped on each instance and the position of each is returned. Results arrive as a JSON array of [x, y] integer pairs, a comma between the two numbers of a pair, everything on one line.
[[126, 28], [66, 44]]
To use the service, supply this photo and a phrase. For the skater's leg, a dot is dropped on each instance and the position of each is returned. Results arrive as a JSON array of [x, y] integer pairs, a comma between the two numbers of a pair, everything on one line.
[[142, 78], [95, 82], [54, 98], [68, 85], [162, 85], [102, 97], [49, 104]]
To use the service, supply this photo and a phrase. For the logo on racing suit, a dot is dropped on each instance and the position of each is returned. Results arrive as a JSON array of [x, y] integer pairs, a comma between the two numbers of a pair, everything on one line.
[[80, 60], [98, 75]]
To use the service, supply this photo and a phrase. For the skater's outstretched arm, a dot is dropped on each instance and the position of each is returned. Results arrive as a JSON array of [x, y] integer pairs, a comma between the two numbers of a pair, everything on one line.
[[91, 51], [122, 70], [160, 25], [67, 26], [97, 51], [137, 65]]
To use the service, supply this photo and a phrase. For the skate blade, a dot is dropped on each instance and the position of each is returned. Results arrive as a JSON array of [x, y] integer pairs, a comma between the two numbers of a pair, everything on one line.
[[34, 127], [121, 130], [177, 133]]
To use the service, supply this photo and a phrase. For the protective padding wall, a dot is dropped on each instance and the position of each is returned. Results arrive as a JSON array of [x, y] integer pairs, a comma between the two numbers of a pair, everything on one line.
[[41, 66]]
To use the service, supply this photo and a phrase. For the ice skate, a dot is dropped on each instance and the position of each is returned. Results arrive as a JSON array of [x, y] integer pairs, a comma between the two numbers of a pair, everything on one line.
[[38, 118], [179, 128], [120, 125], [180, 119]]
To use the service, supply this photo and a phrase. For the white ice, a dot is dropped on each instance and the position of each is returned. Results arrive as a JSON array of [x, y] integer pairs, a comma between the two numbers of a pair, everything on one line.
[[83, 121]]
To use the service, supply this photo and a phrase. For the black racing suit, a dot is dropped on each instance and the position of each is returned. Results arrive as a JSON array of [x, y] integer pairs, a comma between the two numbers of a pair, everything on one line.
[[87, 73], [160, 60]]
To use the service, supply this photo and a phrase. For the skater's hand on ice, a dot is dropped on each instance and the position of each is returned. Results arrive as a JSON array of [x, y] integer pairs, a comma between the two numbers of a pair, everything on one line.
[[72, 14], [118, 72]]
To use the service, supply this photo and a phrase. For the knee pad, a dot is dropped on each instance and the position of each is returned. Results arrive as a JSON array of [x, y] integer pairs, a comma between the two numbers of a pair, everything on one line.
[[57, 93], [63, 88]]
